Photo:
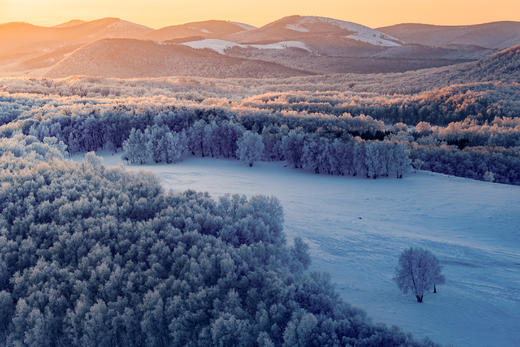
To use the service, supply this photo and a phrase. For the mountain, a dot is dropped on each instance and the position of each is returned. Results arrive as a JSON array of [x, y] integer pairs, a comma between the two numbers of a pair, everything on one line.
[[316, 30], [130, 58], [496, 35], [20, 42], [317, 45], [205, 29], [70, 23]]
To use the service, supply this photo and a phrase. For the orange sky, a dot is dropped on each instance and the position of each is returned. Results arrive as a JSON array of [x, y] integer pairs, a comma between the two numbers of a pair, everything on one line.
[[159, 13]]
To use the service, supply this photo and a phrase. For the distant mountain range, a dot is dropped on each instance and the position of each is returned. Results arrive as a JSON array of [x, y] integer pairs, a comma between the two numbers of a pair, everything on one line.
[[497, 35], [294, 45]]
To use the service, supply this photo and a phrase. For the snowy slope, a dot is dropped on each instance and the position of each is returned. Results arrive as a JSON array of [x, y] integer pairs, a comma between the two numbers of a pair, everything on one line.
[[205, 29], [357, 228], [221, 45], [360, 32]]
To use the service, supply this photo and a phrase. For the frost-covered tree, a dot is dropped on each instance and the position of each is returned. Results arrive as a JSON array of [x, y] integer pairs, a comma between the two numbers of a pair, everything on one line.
[[399, 162], [250, 148], [418, 271], [292, 146], [196, 138], [137, 148], [176, 146], [489, 176]]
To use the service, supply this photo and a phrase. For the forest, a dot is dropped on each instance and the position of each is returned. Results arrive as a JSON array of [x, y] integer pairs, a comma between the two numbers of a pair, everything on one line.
[[91, 256], [467, 130]]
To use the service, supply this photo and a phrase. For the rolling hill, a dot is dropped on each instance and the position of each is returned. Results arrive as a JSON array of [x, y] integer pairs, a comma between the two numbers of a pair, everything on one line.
[[129, 58], [496, 35], [205, 29], [20, 42], [316, 31], [317, 45]]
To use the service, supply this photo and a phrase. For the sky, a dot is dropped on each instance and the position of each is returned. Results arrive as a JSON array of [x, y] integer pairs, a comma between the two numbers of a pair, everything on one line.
[[160, 13]]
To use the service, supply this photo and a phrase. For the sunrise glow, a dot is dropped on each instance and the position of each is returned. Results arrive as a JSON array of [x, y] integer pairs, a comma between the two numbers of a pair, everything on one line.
[[159, 13]]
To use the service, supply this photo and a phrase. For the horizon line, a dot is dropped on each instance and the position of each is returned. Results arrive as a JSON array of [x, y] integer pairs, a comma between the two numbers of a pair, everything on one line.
[[234, 21]]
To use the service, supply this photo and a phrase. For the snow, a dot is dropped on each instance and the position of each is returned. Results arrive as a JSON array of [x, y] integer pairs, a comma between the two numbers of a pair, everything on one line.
[[357, 228], [297, 28], [360, 32], [221, 45]]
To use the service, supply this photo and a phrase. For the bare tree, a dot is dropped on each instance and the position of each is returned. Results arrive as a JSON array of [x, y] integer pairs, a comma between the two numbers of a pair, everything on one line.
[[418, 271]]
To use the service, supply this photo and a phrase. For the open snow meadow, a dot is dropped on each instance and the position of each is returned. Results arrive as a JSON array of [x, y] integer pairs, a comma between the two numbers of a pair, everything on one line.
[[363, 225]]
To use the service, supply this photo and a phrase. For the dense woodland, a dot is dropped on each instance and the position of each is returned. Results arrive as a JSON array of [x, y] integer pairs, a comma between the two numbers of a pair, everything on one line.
[[91, 256], [467, 130]]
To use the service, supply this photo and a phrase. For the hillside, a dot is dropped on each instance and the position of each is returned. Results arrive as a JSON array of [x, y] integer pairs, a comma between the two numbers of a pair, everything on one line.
[[314, 30], [316, 44], [20, 42], [205, 29], [125, 58], [336, 46], [496, 35], [70, 23], [503, 66]]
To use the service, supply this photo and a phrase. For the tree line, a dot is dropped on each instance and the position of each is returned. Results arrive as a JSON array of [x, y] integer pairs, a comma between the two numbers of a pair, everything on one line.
[[351, 157]]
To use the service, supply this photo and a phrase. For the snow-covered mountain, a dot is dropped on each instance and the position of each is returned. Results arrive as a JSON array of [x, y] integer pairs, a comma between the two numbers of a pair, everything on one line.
[[359, 32], [313, 30]]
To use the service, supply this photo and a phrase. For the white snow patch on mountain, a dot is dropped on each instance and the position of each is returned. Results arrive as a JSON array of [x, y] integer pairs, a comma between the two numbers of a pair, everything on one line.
[[297, 28], [360, 32], [221, 46]]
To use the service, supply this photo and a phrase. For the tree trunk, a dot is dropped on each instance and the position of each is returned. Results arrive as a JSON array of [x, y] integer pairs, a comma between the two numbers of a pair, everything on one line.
[[434, 289], [419, 298]]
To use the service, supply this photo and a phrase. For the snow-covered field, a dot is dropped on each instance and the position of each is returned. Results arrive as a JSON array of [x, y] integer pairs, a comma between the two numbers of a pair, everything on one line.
[[357, 228]]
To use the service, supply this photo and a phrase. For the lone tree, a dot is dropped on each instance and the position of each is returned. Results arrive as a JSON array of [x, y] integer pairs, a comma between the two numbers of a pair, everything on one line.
[[250, 147], [418, 271]]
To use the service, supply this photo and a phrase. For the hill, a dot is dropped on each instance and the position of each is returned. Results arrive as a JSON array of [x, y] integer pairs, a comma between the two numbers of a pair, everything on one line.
[[315, 44], [205, 29], [336, 46], [70, 23], [22, 41], [503, 66], [496, 35], [127, 58], [314, 30]]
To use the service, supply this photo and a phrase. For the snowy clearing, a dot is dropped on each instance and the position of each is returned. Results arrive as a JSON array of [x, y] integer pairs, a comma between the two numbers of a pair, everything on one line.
[[357, 228], [221, 45]]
